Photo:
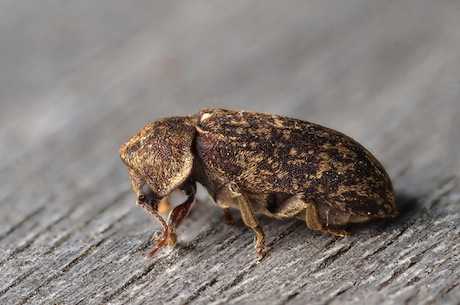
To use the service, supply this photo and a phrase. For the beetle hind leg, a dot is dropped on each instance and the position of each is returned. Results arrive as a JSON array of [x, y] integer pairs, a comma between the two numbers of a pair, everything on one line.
[[288, 208], [314, 222], [300, 207]]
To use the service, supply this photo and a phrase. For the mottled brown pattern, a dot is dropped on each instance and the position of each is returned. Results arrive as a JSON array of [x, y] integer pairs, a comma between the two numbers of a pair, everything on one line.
[[272, 154], [160, 154], [258, 163]]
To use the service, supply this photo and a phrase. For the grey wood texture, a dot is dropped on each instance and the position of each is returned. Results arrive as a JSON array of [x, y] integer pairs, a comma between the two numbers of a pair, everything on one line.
[[78, 78]]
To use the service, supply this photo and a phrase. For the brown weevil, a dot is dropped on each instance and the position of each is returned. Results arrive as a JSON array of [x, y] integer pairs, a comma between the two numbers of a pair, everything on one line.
[[260, 164]]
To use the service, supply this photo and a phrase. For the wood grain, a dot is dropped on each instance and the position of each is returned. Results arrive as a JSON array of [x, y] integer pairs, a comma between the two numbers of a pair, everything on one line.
[[79, 78]]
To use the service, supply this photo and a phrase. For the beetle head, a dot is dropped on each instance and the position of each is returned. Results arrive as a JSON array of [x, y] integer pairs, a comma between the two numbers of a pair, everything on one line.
[[160, 155]]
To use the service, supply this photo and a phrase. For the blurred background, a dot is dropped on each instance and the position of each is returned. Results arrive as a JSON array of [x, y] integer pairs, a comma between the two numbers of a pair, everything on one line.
[[77, 78]]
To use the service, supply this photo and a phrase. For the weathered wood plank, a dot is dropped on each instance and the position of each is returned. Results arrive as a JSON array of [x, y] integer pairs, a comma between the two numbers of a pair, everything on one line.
[[77, 79]]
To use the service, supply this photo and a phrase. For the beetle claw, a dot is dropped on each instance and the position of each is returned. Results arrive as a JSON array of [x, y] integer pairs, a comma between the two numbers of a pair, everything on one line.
[[160, 241], [160, 244], [338, 232], [171, 240], [261, 253], [155, 237], [167, 238]]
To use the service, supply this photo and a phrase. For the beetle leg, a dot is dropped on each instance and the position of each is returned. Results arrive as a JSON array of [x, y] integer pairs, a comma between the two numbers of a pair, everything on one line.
[[290, 207], [313, 222], [225, 200], [177, 215], [311, 218], [161, 240], [249, 219]]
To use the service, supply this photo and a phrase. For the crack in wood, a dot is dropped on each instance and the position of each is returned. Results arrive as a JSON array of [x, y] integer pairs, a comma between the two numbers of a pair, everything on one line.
[[18, 280], [131, 281], [398, 272], [392, 240], [86, 222], [157, 264], [338, 293], [288, 231], [449, 289], [240, 276], [115, 221], [195, 294], [79, 258], [324, 264], [328, 245], [290, 297], [444, 292], [327, 261], [443, 189], [22, 222], [29, 242], [88, 251]]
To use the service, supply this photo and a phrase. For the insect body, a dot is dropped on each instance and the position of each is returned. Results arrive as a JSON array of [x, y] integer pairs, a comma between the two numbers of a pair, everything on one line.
[[257, 163]]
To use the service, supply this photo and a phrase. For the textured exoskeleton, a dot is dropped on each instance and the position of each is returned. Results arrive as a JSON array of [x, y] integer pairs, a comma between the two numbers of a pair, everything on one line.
[[257, 163]]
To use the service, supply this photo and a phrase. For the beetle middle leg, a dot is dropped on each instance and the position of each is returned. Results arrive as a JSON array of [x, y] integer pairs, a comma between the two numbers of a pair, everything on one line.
[[225, 201], [249, 217]]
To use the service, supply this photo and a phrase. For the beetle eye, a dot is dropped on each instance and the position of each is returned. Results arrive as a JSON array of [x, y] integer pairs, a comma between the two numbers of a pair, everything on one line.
[[149, 197]]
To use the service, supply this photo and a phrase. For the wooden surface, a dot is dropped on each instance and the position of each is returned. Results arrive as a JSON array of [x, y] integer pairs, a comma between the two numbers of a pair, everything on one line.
[[78, 78]]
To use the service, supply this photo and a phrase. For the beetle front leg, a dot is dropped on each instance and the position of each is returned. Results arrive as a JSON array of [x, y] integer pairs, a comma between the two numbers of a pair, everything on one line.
[[249, 219], [178, 214], [160, 241], [149, 203]]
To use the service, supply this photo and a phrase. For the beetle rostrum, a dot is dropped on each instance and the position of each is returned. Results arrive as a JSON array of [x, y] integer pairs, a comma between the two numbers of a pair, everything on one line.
[[259, 164]]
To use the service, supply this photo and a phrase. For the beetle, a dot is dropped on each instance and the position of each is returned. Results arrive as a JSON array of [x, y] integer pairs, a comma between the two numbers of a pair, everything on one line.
[[257, 163]]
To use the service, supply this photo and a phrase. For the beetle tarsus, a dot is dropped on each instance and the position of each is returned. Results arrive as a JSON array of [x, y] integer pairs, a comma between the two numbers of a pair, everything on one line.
[[261, 249], [171, 239], [166, 238], [160, 242], [337, 232]]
